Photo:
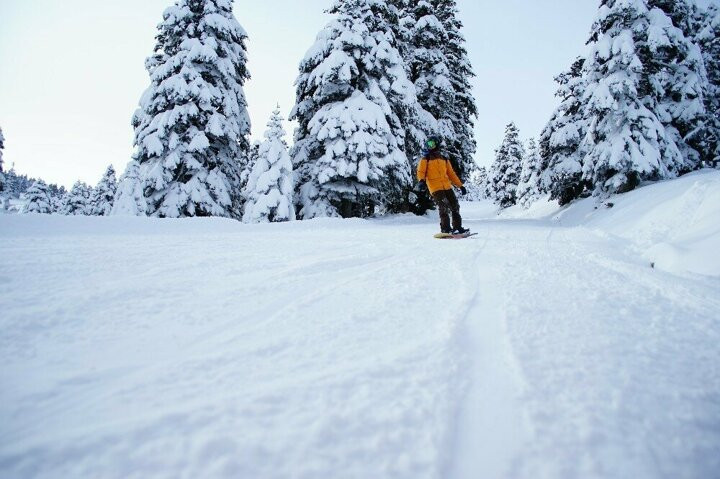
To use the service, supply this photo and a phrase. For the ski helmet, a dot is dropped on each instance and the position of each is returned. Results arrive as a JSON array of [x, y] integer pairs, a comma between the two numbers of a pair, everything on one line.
[[432, 143]]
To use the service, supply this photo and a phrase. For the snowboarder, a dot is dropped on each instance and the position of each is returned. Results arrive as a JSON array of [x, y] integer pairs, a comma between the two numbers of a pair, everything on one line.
[[437, 173]]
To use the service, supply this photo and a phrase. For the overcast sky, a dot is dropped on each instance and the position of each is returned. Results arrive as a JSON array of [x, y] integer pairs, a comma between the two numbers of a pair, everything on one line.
[[72, 71]]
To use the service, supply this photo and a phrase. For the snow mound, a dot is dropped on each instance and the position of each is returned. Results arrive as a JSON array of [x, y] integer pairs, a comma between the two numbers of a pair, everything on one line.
[[673, 224], [542, 208]]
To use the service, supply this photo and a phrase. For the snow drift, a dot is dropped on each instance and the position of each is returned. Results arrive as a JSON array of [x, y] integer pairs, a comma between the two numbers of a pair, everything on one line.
[[673, 224]]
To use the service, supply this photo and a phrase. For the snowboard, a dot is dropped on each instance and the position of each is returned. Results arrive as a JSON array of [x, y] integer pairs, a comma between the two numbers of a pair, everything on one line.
[[452, 236]]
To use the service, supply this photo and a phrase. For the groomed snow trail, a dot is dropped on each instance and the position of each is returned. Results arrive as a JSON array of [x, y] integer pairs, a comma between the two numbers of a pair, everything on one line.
[[137, 348]]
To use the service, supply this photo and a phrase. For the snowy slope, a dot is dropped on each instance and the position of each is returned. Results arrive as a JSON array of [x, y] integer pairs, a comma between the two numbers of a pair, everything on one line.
[[675, 224], [136, 348]]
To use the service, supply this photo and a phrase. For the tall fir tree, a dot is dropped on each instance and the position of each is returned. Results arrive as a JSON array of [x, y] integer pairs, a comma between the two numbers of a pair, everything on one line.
[[37, 199], [15, 184], [505, 173], [463, 111], [76, 202], [629, 98], [677, 75], [270, 189], [103, 195], [529, 189], [129, 199], [560, 153], [633, 109], [708, 38], [57, 196], [192, 127], [352, 98]]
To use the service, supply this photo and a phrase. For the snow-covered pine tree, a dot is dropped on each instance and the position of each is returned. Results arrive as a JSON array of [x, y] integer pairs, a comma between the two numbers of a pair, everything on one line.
[[103, 195], [129, 199], [677, 76], [561, 156], [15, 184], [77, 201], [270, 189], [463, 111], [708, 38], [528, 190], [192, 127], [37, 199], [624, 104], [505, 172], [57, 198], [352, 96], [56, 190]]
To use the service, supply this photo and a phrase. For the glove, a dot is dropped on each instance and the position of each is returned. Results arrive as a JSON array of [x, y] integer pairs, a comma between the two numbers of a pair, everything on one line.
[[463, 190], [420, 185]]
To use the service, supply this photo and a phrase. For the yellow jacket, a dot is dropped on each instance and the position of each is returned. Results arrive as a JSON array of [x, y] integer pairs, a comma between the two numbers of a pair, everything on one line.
[[438, 174]]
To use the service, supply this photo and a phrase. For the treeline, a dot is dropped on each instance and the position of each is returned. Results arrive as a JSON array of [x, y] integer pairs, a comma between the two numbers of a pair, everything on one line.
[[14, 185], [81, 200], [381, 76], [643, 105]]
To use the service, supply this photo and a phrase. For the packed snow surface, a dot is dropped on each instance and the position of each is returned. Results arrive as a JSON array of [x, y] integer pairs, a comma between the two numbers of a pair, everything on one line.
[[546, 347]]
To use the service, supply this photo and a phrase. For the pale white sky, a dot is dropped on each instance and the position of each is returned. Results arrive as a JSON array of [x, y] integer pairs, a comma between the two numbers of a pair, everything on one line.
[[72, 71]]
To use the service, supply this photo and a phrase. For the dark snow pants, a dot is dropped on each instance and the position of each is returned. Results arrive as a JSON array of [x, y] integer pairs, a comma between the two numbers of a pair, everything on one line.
[[448, 205]]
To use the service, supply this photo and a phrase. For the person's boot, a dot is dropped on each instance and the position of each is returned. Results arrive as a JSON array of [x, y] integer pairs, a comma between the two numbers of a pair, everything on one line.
[[460, 231]]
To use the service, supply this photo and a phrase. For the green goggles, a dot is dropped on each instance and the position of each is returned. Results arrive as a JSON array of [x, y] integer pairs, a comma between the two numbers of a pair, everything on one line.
[[431, 144]]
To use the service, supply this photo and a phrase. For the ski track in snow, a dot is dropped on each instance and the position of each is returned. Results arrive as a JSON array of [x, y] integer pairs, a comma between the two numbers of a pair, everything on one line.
[[137, 348], [618, 375]]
